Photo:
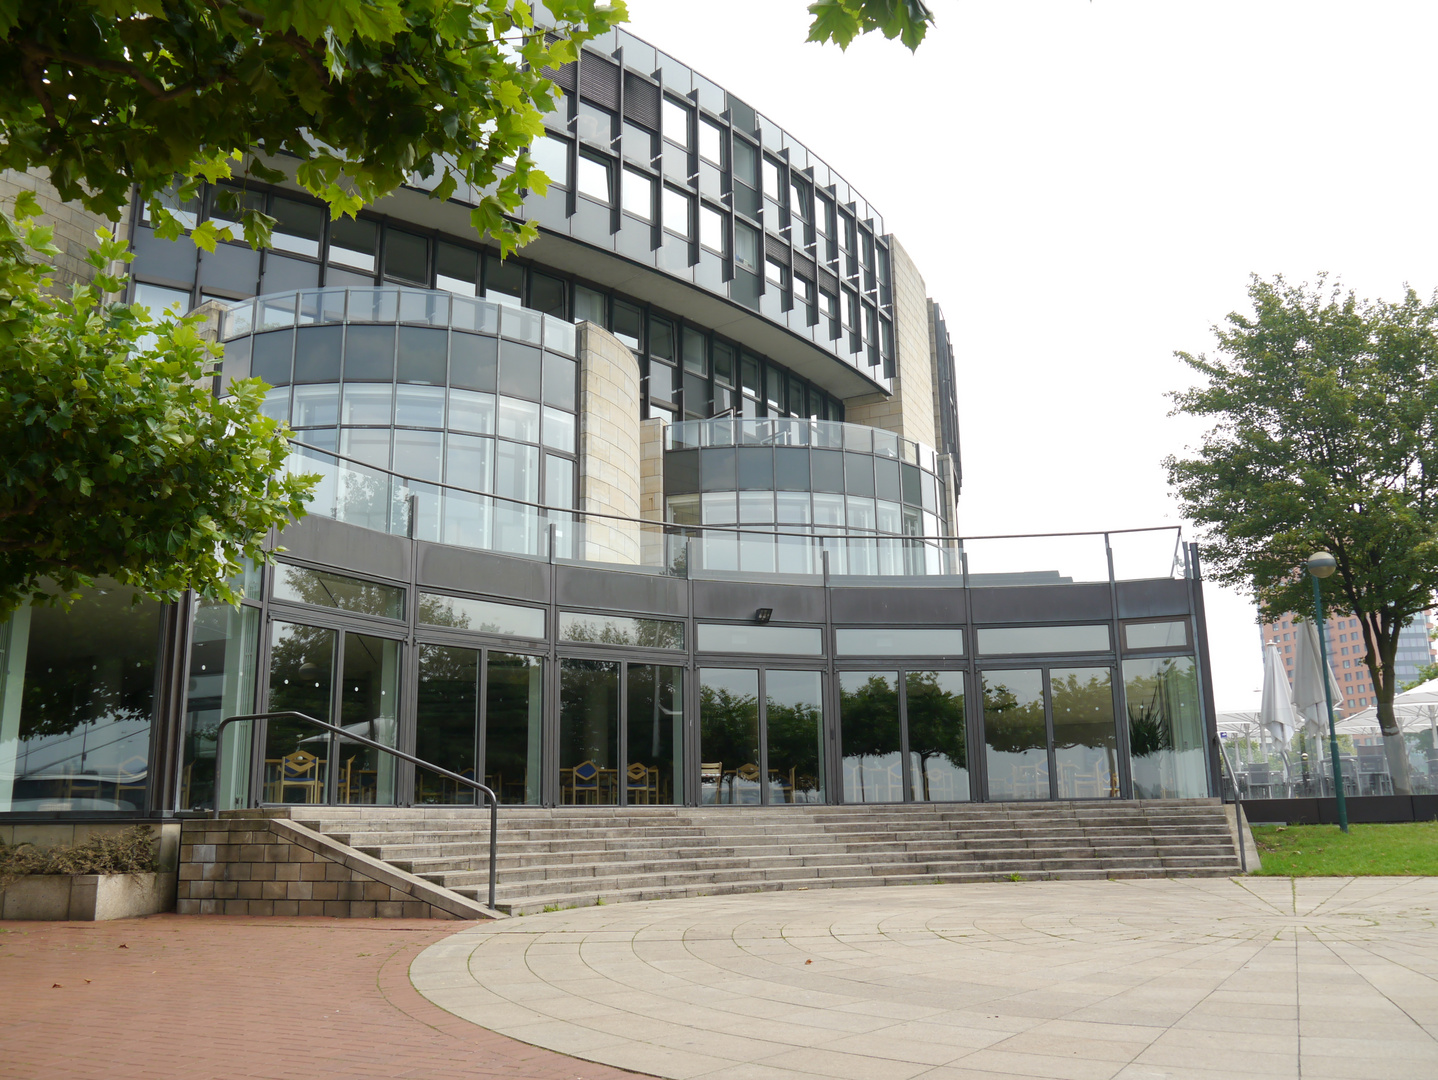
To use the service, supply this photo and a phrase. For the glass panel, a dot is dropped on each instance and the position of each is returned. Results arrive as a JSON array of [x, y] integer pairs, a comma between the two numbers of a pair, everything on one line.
[[655, 734], [869, 734], [793, 710], [324, 589], [594, 179], [301, 680], [446, 719], [771, 640], [471, 411], [365, 404], [1165, 729], [1040, 640], [513, 710], [1085, 737], [316, 406], [551, 156], [77, 697], [456, 268], [297, 227], [353, 243], [369, 704], [224, 648], [1155, 635], [618, 630], [419, 406], [930, 641], [406, 256], [588, 732], [1015, 736], [480, 616], [638, 194], [938, 742], [728, 736]]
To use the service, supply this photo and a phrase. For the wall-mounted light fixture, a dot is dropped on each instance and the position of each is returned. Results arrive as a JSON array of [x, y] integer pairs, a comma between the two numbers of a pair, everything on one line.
[[763, 615]]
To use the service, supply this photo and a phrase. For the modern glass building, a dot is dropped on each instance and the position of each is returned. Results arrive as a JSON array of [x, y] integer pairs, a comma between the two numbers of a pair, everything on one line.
[[661, 510]]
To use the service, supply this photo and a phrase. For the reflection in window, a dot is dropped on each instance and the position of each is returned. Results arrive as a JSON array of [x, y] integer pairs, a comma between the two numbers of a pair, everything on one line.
[[1016, 734], [595, 179], [1165, 729], [638, 195], [711, 229], [77, 697], [938, 741], [711, 142], [353, 243], [676, 122], [297, 757], [677, 210], [1157, 635], [300, 585], [1039, 640], [224, 648], [654, 735], [793, 722], [771, 640], [588, 732], [551, 155], [869, 732], [619, 630], [1085, 739], [728, 736], [930, 641], [480, 616]]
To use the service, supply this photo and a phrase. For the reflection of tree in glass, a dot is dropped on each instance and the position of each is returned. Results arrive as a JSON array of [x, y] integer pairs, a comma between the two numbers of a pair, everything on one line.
[[729, 726], [440, 611], [1011, 727], [793, 730], [1083, 710], [644, 633], [1150, 713], [936, 721], [322, 589], [870, 717]]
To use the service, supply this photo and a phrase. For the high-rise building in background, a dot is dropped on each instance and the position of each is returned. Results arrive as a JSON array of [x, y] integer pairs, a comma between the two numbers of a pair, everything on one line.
[[1346, 651]]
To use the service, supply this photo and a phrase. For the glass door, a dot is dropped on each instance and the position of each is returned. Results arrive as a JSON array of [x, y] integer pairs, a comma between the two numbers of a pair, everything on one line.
[[1050, 733], [621, 732], [761, 737], [902, 736]]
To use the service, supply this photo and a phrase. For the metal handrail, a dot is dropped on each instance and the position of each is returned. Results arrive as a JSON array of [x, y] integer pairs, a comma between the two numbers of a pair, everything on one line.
[[489, 795], [1237, 806]]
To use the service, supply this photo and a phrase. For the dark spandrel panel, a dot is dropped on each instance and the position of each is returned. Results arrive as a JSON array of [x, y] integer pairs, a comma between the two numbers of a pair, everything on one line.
[[422, 355], [559, 381], [473, 362], [745, 288], [270, 358], [353, 242], [628, 324], [547, 294], [886, 480], [170, 260], [317, 354], [912, 483], [716, 468], [791, 469], [298, 226], [756, 468], [505, 277], [859, 474], [827, 470], [681, 472], [283, 274], [232, 267], [520, 371], [406, 257], [724, 363], [369, 354], [458, 264]]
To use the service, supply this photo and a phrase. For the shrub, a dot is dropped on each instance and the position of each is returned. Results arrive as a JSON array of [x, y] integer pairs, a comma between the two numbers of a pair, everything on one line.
[[134, 851]]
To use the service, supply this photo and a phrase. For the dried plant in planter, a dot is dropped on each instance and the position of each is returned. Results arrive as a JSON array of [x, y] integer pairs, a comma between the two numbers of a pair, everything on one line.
[[133, 851]]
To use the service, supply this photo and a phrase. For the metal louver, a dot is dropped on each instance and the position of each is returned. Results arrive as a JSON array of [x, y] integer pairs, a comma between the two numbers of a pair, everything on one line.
[[641, 101], [776, 249], [599, 81]]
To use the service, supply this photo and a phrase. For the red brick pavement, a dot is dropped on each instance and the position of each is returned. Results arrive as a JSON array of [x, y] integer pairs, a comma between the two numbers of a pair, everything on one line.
[[193, 998]]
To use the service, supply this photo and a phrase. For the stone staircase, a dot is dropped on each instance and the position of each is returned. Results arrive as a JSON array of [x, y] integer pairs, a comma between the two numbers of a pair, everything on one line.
[[574, 856]]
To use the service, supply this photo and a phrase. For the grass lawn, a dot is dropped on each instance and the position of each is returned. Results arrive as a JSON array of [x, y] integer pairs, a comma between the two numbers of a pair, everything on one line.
[[1410, 848]]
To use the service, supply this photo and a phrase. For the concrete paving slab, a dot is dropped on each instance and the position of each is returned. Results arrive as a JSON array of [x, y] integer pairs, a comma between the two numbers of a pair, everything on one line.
[[1175, 979]]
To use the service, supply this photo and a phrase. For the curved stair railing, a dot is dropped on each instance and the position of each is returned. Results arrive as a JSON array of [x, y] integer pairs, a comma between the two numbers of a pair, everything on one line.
[[350, 736]]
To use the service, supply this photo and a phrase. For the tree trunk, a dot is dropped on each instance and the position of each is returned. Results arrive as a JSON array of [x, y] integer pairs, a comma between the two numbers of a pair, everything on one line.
[[1395, 747]]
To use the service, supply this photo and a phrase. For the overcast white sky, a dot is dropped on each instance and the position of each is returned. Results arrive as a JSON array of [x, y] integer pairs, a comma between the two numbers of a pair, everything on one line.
[[1086, 187]]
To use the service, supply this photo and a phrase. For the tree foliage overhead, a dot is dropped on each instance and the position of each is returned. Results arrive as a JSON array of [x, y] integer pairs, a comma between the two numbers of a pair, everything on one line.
[[841, 21], [119, 459], [361, 94], [1326, 436]]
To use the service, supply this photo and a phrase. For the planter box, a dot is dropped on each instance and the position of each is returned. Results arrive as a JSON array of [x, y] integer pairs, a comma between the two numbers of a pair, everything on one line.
[[87, 897]]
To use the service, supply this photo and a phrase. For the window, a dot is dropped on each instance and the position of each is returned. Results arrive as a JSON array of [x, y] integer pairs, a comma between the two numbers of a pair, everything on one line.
[[746, 246], [594, 124], [678, 209], [772, 187], [776, 272], [297, 227], [353, 243], [882, 642], [711, 229], [1044, 639], [711, 142], [595, 179], [620, 630], [299, 585], [456, 268], [798, 197], [638, 194], [406, 257], [551, 155], [676, 122], [481, 616]]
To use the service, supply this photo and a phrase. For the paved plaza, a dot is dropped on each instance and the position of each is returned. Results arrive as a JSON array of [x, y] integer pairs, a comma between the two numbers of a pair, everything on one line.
[[1179, 979]]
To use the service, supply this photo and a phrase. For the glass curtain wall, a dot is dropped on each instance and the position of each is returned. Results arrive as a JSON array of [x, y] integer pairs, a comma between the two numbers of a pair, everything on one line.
[[77, 700], [447, 722], [513, 710], [1165, 728], [224, 657], [1051, 734]]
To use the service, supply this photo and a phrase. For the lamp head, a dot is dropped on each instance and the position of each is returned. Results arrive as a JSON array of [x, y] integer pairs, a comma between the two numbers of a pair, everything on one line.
[[1321, 564], [763, 615]]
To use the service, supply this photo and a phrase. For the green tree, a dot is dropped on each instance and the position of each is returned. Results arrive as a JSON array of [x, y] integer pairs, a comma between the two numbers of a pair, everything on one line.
[[119, 460], [841, 21], [1325, 409]]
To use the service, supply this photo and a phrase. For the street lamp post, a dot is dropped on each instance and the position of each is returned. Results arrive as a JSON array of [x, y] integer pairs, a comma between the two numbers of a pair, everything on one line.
[[1321, 565]]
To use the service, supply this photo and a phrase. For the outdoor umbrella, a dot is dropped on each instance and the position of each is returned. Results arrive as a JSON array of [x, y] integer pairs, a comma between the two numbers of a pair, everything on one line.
[[1308, 692], [1276, 713], [1415, 710]]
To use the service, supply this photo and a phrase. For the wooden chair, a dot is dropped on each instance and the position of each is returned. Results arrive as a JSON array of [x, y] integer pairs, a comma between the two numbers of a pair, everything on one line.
[[749, 773], [583, 780], [643, 784], [710, 772], [301, 770]]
